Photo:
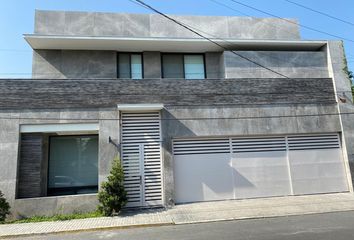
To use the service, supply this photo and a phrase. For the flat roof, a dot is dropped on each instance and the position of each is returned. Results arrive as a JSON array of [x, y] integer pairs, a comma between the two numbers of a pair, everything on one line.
[[37, 41]]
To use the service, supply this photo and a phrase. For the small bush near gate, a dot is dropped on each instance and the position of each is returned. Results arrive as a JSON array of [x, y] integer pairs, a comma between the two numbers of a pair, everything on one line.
[[112, 196], [4, 208]]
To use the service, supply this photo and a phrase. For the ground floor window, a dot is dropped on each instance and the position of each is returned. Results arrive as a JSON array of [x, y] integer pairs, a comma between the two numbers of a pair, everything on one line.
[[72, 165]]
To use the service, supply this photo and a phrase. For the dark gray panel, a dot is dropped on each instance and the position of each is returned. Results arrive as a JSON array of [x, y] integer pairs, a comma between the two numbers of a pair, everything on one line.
[[72, 93], [31, 155]]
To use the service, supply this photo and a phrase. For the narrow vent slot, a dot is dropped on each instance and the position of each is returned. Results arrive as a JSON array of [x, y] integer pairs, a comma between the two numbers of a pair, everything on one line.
[[328, 141], [201, 146], [241, 145]]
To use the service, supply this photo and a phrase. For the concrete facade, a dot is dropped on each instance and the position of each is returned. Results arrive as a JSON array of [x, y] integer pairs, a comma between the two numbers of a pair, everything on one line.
[[151, 25], [10, 143], [238, 98], [292, 64]]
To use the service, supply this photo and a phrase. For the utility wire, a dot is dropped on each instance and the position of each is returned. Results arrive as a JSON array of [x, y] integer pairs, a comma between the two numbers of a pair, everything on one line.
[[143, 4], [292, 22], [319, 12], [206, 38]]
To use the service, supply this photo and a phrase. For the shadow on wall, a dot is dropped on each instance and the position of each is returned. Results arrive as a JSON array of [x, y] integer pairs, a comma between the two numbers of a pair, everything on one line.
[[74, 64], [171, 127]]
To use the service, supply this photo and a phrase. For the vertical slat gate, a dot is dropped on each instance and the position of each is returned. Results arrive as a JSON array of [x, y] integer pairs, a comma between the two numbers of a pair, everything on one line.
[[141, 151]]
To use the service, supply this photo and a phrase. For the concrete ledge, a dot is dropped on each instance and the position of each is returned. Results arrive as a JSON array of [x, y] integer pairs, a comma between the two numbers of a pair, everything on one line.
[[47, 206]]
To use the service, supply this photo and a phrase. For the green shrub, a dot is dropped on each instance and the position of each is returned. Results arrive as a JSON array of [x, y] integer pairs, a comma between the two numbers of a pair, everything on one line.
[[4, 208], [112, 196]]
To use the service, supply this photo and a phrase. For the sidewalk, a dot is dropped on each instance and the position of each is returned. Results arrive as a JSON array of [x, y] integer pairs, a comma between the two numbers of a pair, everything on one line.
[[194, 213]]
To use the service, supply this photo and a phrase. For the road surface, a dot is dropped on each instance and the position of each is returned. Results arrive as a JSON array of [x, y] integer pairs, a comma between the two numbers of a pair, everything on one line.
[[327, 226]]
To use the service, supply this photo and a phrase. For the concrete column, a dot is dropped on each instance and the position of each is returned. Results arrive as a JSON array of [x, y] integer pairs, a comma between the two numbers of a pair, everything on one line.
[[107, 151], [214, 65], [342, 85], [152, 64], [9, 145]]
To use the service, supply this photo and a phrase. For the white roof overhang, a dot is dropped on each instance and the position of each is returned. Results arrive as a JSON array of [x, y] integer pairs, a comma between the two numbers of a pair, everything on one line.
[[140, 107], [59, 128], [163, 44]]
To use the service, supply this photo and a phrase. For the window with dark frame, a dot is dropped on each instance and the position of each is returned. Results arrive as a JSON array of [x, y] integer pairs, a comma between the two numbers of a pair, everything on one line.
[[130, 65], [187, 66], [73, 165]]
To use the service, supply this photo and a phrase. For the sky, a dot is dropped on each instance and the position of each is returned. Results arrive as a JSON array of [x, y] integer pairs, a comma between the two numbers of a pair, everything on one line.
[[17, 18]]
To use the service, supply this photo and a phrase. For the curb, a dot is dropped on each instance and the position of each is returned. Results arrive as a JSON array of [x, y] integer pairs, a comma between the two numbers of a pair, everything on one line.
[[87, 230]]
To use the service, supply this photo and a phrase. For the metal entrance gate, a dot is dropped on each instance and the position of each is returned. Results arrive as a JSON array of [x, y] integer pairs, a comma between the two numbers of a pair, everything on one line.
[[141, 157]]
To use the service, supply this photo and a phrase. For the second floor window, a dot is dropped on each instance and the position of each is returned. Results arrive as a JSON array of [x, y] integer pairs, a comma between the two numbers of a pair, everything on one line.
[[130, 65], [188, 66]]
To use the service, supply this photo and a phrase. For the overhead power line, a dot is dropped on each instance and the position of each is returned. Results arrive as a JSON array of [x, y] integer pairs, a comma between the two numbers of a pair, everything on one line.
[[245, 14], [292, 22], [319, 12], [204, 37]]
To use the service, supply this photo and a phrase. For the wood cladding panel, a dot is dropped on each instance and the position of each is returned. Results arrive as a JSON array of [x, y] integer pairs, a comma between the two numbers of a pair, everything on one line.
[[30, 165]]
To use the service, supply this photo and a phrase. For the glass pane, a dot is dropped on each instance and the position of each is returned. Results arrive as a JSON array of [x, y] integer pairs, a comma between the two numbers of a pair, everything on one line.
[[172, 66], [136, 66], [194, 67], [73, 163], [123, 65]]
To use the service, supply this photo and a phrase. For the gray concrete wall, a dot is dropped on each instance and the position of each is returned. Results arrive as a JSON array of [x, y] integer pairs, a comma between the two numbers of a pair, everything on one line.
[[343, 88], [47, 206], [175, 123], [10, 122], [289, 63], [62, 64], [152, 25], [240, 121], [74, 64], [214, 65], [152, 64]]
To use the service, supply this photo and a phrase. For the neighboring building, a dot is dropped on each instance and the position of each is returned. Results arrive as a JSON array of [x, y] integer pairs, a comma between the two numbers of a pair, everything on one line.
[[194, 122]]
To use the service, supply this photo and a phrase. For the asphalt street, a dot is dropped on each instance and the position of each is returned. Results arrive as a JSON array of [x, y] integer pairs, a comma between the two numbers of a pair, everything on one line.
[[327, 226]]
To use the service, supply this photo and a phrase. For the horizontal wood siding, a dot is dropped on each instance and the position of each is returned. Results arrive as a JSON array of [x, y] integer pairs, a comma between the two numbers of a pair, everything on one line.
[[31, 156], [74, 93]]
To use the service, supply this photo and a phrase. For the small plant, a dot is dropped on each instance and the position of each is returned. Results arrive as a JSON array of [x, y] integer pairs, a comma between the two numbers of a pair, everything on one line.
[[4, 208], [112, 196]]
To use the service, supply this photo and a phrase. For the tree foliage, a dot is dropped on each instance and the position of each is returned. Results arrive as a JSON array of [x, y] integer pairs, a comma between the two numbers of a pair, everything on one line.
[[112, 196]]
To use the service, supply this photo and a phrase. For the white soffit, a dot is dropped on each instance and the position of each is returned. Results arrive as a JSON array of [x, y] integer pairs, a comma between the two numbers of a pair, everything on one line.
[[163, 44], [140, 107], [64, 127]]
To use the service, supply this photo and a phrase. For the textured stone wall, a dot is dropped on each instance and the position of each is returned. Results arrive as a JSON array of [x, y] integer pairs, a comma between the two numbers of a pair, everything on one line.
[[309, 64], [153, 25], [66, 64], [31, 94], [74, 64]]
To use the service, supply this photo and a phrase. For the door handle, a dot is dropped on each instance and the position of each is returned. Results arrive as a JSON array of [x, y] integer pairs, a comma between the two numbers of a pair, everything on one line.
[[141, 179]]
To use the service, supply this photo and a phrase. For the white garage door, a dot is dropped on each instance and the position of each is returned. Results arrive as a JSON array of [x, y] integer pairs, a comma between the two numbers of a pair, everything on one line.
[[236, 168]]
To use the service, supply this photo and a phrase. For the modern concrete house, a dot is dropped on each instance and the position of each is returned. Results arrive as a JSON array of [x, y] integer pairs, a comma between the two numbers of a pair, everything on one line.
[[266, 116]]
